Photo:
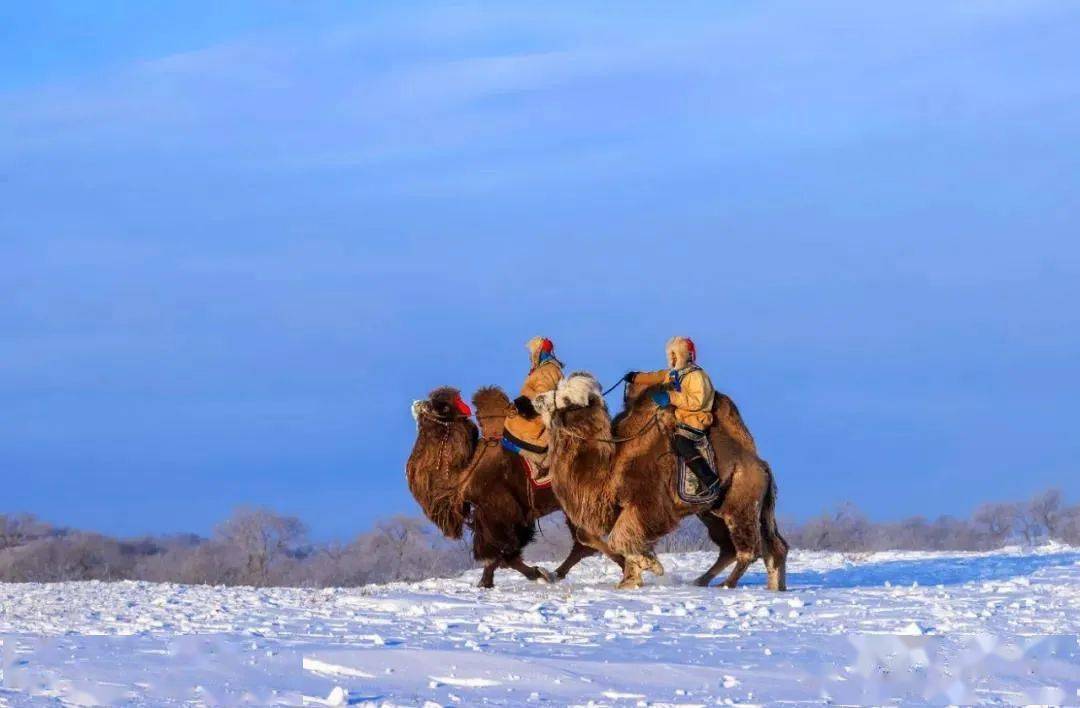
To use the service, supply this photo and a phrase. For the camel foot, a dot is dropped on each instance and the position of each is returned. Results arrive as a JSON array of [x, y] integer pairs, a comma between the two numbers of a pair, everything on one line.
[[485, 584], [653, 565], [703, 581], [631, 579], [546, 576]]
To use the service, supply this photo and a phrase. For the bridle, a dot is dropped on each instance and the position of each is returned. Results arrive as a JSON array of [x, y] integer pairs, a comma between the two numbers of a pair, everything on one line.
[[444, 460]]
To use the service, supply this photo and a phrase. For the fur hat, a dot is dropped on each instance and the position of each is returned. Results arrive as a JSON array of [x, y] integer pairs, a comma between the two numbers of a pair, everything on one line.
[[682, 351], [538, 346]]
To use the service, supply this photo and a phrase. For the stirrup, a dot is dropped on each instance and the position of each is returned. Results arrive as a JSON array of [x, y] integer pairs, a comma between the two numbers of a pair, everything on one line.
[[710, 494]]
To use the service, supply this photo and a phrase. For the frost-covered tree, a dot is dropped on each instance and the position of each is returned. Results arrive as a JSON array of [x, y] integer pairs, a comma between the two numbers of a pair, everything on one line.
[[997, 521], [262, 538], [1045, 510], [18, 529]]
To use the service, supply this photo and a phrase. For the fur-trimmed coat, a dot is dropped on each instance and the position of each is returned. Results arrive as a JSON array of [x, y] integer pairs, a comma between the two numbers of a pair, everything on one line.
[[693, 401], [542, 378]]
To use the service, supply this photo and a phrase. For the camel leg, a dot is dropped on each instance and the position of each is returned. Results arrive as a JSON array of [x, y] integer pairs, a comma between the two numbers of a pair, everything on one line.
[[487, 578], [532, 572], [775, 550], [718, 532], [627, 534], [726, 558], [745, 529], [578, 553], [652, 563], [593, 541], [631, 579], [629, 538]]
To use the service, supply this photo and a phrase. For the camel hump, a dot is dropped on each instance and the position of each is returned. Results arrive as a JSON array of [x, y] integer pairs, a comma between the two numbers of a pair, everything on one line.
[[727, 415], [491, 404], [490, 400]]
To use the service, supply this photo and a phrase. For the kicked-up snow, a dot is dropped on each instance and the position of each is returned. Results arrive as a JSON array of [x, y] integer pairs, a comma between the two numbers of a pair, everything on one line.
[[922, 627]]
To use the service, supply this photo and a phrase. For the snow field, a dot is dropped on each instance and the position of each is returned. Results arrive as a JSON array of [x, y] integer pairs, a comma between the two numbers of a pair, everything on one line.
[[927, 627]]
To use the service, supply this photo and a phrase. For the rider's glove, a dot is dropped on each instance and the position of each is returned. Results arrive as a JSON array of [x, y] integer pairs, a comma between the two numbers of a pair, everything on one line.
[[661, 398]]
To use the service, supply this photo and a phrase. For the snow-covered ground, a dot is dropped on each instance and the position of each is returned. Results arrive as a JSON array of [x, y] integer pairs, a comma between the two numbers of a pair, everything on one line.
[[926, 627]]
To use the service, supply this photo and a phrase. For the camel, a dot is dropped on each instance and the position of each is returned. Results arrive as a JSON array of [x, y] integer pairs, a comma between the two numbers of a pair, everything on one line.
[[461, 476], [616, 482]]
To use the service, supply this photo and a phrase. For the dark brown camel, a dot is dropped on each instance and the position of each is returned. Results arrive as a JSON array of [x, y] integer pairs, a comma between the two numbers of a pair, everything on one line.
[[461, 478], [618, 480]]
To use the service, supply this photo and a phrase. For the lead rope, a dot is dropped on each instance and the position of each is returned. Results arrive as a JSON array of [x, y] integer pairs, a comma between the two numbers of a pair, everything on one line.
[[613, 387]]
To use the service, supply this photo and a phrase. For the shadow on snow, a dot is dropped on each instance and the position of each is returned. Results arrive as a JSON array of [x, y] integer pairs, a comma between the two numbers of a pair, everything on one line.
[[950, 570]]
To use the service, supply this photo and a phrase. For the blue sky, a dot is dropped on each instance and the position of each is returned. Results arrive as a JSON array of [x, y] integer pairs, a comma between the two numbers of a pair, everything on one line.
[[237, 239]]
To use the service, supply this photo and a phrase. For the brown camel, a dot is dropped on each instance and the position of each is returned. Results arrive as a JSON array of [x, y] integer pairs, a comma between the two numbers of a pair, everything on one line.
[[463, 477], [618, 480]]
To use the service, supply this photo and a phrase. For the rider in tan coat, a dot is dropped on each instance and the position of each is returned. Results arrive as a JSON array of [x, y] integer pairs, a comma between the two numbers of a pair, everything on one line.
[[525, 432], [688, 389]]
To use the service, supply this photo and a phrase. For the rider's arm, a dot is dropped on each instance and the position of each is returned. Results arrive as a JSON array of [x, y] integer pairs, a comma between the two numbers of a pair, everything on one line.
[[649, 378]]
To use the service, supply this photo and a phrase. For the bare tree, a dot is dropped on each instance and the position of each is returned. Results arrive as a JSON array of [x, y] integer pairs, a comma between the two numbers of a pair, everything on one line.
[[1045, 510], [691, 535], [1068, 527], [1028, 525], [997, 521], [263, 537], [18, 529]]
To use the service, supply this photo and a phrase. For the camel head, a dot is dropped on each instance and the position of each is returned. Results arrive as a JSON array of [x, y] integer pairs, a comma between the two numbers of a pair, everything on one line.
[[492, 405], [446, 439], [443, 404], [579, 390]]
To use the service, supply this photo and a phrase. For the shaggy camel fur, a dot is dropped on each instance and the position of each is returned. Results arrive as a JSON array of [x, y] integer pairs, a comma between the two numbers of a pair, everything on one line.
[[618, 480], [462, 478]]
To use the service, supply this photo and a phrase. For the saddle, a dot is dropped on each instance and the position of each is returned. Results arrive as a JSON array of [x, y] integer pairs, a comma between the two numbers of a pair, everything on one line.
[[688, 487], [539, 478]]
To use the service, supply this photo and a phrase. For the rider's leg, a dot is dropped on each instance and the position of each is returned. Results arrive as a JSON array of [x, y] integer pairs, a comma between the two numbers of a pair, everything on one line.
[[687, 450]]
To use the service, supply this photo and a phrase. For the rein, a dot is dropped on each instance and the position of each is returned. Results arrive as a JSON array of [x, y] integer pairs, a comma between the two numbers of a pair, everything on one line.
[[613, 387]]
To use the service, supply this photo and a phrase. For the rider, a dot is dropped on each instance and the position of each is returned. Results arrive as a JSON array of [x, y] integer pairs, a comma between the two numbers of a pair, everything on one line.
[[688, 388], [525, 433]]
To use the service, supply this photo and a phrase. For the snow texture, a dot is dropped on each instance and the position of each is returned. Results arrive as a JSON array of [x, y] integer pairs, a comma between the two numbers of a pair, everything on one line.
[[923, 627]]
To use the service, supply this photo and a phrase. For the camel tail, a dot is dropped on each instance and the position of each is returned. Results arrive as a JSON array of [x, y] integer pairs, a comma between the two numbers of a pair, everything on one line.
[[769, 529]]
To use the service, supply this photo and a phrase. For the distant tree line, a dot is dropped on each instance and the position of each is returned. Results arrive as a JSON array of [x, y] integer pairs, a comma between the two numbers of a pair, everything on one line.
[[261, 548], [253, 547]]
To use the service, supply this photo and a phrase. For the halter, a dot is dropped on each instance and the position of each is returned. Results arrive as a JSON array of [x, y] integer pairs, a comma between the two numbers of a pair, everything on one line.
[[444, 460]]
